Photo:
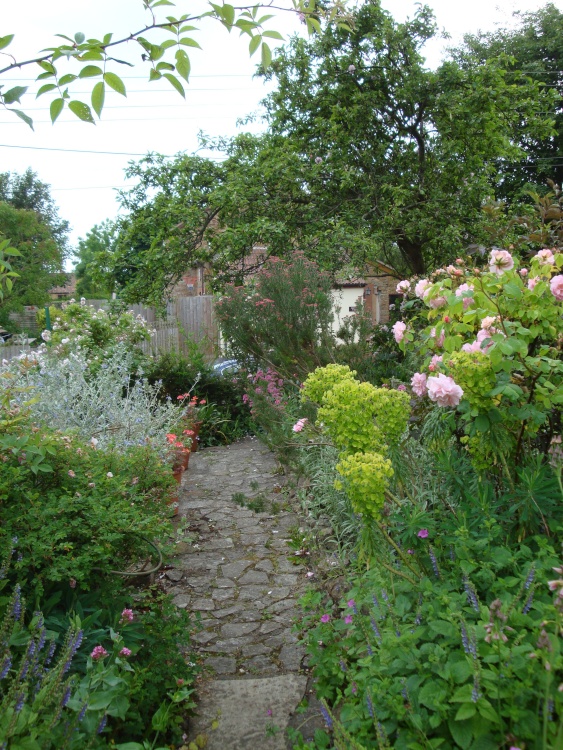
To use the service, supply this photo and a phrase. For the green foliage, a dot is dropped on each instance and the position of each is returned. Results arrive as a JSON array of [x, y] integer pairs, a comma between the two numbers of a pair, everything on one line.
[[463, 657], [323, 379], [100, 239], [366, 478], [474, 373], [282, 319], [84, 513], [81, 51], [96, 331]]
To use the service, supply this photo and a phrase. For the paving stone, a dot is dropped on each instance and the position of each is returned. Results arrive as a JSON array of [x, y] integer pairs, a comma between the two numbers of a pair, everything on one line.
[[221, 664], [265, 565], [269, 627], [291, 656], [249, 593], [235, 610], [224, 583], [203, 637], [285, 579], [235, 569], [255, 649], [261, 664], [223, 595], [182, 600], [236, 629], [203, 604], [253, 576]]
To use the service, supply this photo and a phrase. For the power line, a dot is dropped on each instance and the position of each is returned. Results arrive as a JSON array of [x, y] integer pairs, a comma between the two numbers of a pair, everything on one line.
[[77, 150]]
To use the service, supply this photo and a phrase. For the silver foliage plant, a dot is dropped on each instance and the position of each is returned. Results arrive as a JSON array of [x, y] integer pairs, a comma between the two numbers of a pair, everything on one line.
[[107, 407]]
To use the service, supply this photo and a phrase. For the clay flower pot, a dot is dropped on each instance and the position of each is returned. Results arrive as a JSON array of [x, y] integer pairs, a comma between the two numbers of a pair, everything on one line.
[[182, 458]]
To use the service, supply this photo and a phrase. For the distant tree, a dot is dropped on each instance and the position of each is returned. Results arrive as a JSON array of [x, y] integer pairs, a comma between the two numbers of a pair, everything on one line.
[[534, 51], [28, 192], [100, 239], [39, 265]]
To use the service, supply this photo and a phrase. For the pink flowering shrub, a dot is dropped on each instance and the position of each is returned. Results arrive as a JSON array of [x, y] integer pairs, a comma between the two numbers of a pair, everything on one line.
[[491, 347], [281, 317]]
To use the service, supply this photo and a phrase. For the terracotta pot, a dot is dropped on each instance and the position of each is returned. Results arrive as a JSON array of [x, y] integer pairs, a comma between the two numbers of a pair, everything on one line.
[[182, 458], [173, 504], [177, 473], [196, 427]]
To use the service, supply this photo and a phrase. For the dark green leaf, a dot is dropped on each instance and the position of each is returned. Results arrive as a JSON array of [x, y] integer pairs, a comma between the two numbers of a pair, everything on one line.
[[14, 94], [67, 78], [90, 71], [266, 55], [44, 89], [466, 711], [81, 110], [26, 118], [5, 41], [176, 83], [57, 106], [115, 83], [98, 97]]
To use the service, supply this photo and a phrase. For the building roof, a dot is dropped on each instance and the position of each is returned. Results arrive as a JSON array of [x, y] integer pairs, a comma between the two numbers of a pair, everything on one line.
[[68, 289]]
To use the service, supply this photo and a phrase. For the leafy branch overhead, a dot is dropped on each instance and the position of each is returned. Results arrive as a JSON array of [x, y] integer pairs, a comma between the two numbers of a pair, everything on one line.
[[168, 59]]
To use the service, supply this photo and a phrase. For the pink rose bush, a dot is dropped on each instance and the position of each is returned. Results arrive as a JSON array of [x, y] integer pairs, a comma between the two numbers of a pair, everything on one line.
[[499, 331]]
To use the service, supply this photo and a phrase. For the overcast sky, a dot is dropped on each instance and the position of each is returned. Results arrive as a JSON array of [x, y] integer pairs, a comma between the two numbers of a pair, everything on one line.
[[153, 117]]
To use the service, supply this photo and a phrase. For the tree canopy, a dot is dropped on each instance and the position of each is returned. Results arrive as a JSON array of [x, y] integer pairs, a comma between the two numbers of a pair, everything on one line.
[[368, 154], [534, 50]]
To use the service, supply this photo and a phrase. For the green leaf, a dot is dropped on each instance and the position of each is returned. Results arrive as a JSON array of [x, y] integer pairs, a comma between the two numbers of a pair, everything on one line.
[[266, 55], [26, 118], [129, 746], [115, 83], [482, 423], [254, 43], [188, 42], [79, 37], [98, 97], [100, 700], [176, 83], [90, 71], [44, 89], [164, 66], [154, 75], [66, 79], [183, 65], [81, 110], [466, 711], [5, 41], [461, 733], [14, 94], [228, 14], [57, 106], [272, 34]]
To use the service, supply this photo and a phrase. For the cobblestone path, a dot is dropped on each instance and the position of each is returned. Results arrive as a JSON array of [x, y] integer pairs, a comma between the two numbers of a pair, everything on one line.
[[235, 570]]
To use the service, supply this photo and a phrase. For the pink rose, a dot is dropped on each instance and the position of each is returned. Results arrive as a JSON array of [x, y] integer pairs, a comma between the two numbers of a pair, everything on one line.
[[299, 425], [399, 331], [488, 321], [545, 258], [437, 302], [418, 383], [474, 347], [500, 261], [421, 288], [532, 282], [523, 272], [403, 286], [464, 290], [444, 390], [556, 286], [434, 362]]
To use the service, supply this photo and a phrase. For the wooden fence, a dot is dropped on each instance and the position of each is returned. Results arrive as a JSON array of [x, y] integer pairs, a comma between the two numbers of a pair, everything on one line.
[[187, 318]]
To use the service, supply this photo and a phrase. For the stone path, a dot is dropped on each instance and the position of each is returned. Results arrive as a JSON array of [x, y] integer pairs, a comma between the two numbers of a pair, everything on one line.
[[234, 569]]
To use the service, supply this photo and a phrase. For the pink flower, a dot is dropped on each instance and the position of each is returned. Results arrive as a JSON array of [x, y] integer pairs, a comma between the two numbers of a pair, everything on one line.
[[125, 652], [434, 363], [488, 321], [545, 258], [474, 347], [410, 552], [464, 290], [437, 302], [325, 618], [556, 286], [399, 331], [421, 287], [348, 619], [401, 387], [439, 341], [299, 425], [72, 583], [422, 534], [310, 574], [523, 272], [500, 261], [351, 603], [403, 286], [444, 390], [418, 383], [71, 473], [99, 652], [532, 282], [127, 615]]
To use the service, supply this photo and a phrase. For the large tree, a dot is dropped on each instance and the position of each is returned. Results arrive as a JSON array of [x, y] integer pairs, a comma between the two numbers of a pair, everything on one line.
[[98, 240], [534, 51], [368, 154]]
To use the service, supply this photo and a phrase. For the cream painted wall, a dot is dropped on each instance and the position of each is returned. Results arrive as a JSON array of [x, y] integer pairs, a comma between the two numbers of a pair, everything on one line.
[[343, 300]]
